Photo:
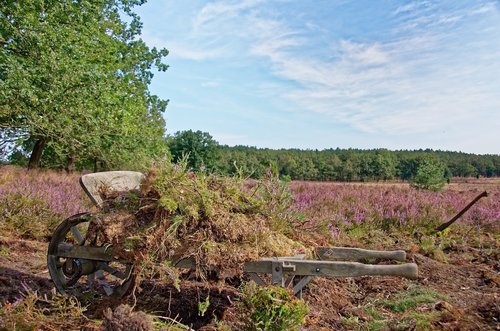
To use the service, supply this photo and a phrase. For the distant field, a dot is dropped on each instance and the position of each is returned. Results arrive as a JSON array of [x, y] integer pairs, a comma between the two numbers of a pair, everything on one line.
[[344, 203]]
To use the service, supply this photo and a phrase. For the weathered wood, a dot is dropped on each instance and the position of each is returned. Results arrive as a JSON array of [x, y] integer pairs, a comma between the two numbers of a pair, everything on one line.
[[277, 273], [297, 289], [253, 276], [85, 252], [357, 254], [113, 180], [335, 269], [444, 226]]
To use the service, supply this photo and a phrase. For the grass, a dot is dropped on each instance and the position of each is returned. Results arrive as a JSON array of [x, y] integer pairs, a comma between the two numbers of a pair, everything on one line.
[[412, 309], [414, 297], [272, 308], [35, 312]]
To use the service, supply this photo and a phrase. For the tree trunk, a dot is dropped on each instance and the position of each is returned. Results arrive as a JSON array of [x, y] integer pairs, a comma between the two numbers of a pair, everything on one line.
[[36, 155], [70, 164]]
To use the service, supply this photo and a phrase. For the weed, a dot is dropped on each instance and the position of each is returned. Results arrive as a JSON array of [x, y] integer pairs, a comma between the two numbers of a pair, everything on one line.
[[4, 251], [203, 306], [417, 321], [432, 246]]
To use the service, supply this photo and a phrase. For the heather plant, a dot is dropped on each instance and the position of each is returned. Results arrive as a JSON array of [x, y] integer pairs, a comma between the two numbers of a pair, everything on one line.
[[32, 203], [334, 208]]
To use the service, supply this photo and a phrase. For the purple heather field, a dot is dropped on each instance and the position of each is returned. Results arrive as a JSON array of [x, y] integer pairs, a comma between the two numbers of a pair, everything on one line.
[[58, 195], [349, 203]]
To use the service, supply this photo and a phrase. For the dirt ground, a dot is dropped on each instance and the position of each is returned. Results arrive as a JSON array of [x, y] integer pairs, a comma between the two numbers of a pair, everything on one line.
[[467, 287]]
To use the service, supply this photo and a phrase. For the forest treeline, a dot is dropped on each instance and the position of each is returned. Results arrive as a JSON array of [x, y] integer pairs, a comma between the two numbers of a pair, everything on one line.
[[352, 164], [201, 151]]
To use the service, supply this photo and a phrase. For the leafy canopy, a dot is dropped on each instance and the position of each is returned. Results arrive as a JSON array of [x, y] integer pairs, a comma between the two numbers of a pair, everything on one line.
[[75, 75], [199, 148]]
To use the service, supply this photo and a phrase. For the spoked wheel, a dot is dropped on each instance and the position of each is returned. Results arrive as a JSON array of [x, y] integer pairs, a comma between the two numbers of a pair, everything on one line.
[[79, 268]]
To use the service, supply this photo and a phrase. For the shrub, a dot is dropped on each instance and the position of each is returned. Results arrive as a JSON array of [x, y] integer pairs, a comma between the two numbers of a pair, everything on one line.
[[32, 203], [273, 308], [430, 176]]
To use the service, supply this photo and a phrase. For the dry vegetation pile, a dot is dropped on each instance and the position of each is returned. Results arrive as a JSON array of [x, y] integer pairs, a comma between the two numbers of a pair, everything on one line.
[[218, 222]]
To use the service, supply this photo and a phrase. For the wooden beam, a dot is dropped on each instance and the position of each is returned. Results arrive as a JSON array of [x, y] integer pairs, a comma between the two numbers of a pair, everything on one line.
[[334, 269], [357, 254], [85, 252]]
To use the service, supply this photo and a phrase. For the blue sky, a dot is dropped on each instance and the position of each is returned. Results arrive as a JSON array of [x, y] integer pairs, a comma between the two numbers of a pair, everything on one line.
[[327, 74]]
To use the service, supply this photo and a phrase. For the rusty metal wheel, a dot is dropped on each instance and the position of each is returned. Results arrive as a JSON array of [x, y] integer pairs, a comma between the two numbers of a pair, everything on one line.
[[85, 274]]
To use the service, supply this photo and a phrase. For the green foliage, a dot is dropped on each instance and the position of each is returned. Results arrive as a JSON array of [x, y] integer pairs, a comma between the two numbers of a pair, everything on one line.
[[414, 297], [74, 79], [349, 164], [273, 308], [430, 175], [203, 306], [198, 148]]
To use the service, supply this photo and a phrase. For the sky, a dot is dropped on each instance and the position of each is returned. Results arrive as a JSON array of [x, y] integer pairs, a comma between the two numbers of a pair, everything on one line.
[[327, 74]]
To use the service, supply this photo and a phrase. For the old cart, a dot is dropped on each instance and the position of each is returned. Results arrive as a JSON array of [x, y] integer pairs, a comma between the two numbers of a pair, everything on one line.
[[78, 265]]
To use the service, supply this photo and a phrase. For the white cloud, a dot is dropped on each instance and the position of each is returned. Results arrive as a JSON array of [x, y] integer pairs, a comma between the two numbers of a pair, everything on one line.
[[221, 10], [434, 68], [363, 53], [411, 84]]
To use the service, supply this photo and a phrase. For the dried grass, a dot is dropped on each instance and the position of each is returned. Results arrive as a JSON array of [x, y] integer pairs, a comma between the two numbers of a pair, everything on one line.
[[218, 222]]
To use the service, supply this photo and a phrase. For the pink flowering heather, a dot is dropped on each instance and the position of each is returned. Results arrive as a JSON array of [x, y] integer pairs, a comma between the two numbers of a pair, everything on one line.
[[33, 202], [337, 203]]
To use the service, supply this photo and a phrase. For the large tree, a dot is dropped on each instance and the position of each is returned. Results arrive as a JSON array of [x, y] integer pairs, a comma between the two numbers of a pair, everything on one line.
[[199, 149], [74, 79]]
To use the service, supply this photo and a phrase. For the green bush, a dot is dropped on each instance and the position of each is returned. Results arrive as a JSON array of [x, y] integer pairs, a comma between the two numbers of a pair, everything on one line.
[[273, 308], [430, 176]]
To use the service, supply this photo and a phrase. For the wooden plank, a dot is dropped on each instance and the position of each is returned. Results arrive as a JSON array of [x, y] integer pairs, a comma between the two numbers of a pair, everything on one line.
[[336, 269], [113, 180], [297, 289], [285, 258], [357, 254], [85, 252]]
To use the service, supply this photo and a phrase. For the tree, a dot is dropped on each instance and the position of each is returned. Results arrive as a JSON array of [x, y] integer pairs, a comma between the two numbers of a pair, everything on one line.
[[74, 79], [430, 175], [200, 149]]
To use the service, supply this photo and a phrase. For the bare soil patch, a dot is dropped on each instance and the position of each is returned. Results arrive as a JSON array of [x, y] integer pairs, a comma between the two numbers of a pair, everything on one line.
[[470, 288]]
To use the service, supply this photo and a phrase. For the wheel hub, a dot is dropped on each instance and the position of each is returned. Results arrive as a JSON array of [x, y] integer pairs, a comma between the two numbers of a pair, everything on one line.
[[72, 268]]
